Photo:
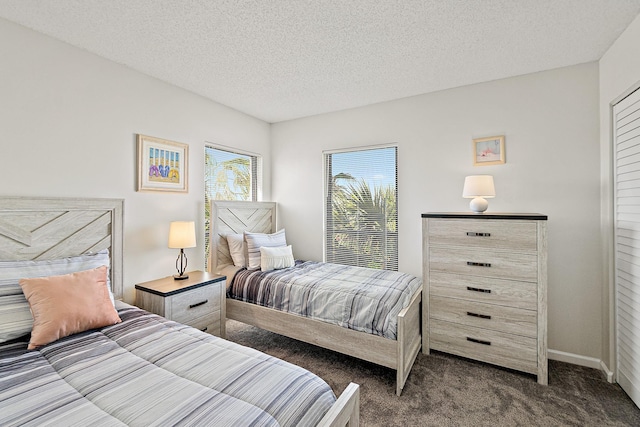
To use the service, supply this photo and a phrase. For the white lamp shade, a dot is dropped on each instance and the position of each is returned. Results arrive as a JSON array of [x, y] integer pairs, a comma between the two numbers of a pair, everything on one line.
[[182, 234], [478, 186]]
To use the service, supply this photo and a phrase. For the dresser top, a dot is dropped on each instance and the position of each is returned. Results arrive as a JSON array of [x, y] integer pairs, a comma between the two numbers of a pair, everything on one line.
[[485, 215]]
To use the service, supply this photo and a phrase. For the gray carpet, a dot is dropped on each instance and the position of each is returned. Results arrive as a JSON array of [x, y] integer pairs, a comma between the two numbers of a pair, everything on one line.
[[444, 390]]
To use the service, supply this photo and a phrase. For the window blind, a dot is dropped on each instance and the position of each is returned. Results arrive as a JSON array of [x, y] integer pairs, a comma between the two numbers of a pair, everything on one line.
[[361, 217], [228, 175]]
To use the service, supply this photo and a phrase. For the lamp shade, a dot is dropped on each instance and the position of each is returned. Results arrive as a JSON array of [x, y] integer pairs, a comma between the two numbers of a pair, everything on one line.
[[182, 234], [478, 186]]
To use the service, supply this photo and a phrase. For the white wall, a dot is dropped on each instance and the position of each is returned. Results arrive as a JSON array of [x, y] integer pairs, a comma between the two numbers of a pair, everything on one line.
[[68, 121], [550, 121], [619, 73]]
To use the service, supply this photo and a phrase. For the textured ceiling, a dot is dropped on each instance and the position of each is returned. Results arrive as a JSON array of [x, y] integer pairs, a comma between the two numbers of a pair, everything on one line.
[[284, 59]]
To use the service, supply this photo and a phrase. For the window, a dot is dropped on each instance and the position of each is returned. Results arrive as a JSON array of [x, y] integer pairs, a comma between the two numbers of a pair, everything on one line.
[[361, 217], [228, 175]]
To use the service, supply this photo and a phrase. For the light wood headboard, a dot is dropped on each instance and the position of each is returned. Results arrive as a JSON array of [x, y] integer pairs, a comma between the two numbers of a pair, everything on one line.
[[237, 217], [49, 228]]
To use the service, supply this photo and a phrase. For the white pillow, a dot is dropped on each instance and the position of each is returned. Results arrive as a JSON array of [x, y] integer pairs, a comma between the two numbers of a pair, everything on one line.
[[276, 258], [237, 249], [257, 240]]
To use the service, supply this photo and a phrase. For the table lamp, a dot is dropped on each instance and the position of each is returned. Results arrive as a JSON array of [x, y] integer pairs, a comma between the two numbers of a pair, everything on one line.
[[182, 234], [478, 187]]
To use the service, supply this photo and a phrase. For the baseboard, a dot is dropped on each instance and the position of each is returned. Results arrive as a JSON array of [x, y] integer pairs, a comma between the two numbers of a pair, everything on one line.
[[576, 359], [604, 368]]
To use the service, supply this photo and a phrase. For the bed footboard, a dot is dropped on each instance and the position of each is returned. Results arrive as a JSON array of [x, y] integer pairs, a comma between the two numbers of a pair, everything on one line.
[[373, 348], [409, 339], [345, 411], [397, 354]]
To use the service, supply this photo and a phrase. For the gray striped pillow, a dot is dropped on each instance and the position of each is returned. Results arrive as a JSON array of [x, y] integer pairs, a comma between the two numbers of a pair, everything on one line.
[[257, 240], [15, 316]]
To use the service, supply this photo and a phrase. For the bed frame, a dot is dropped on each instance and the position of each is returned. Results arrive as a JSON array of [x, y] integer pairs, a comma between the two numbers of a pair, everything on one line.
[[260, 217], [49, 228]]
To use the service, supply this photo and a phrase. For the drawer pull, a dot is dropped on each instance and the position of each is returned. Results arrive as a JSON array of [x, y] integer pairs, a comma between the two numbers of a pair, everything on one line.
[[486, 291], [479, 264], [479, 341], [473, 234], [481, 316], [199, 304], [204, 329]]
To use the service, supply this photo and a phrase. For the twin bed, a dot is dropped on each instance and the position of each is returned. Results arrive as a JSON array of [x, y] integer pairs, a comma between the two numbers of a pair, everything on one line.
[[142, 369], [373, 325]]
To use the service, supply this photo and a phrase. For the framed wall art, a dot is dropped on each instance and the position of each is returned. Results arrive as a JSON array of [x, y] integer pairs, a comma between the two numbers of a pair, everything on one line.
[[488, 151], [163, 165]]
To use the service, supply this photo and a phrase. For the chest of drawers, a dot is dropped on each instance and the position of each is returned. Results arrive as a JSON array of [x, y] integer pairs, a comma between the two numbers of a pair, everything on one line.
[[485, 288], [198, 301]]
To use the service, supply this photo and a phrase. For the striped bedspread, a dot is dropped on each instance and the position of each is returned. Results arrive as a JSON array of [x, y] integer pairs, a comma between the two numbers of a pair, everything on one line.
[[148, 371], [357, 298]]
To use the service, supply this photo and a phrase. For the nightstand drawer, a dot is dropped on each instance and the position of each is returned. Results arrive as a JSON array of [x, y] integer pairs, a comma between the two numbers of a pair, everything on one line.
[[475, 262], [190, 305], [495, 317], [515, 235], [481, 289], [209, 324], [510, 351]]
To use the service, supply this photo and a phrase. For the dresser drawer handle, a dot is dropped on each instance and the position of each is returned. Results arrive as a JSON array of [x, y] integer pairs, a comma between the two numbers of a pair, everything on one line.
[[199, 303], [481, 316], [473, 234], [479, 264], [479, 341], [486, 291], [204, 329]]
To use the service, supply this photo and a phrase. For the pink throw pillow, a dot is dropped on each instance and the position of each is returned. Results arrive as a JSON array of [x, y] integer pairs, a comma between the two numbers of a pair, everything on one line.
[[68, 304]]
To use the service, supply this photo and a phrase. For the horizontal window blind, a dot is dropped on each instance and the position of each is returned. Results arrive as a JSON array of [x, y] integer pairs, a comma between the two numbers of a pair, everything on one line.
[[228, 175], [361, 218]]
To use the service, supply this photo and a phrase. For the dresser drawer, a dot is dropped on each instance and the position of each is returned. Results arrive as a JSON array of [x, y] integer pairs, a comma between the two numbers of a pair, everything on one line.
[[481, 289], [484, 263], [495, 317], [520, 236], [511, 351], [199, 302]]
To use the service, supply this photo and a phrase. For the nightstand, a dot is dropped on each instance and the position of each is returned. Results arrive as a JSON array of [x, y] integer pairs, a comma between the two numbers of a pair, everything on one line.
[[198, 301]]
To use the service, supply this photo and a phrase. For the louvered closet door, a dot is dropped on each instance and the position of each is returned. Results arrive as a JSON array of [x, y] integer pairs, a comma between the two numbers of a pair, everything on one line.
[[626, 118]]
